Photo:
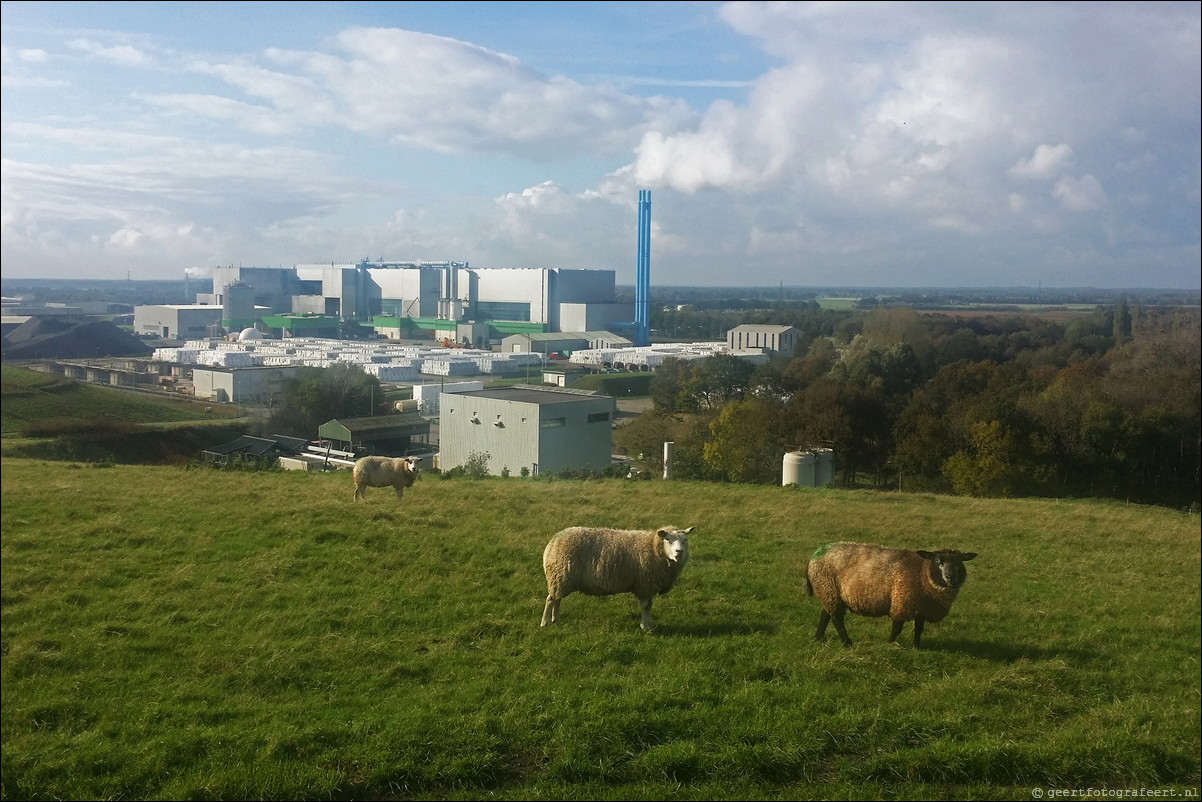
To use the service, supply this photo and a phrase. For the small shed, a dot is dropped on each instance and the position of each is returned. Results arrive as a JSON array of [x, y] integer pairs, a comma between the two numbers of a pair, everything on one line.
[[550, 342], [260, 450], [384, 435]]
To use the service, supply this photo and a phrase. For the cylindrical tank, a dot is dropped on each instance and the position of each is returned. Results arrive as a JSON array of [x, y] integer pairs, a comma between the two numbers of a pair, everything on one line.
[[669, 450], [406, 405], [798, 469], [824, 474]]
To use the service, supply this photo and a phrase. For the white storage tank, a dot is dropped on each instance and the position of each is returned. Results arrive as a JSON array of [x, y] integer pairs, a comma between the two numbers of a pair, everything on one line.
[[798, 469], [824, 472]]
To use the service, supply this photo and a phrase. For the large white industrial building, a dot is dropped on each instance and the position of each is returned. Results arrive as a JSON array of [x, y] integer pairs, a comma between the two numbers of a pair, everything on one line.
[[424, 300]]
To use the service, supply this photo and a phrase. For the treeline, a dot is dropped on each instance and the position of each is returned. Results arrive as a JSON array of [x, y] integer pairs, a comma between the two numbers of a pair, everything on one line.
[[1106, 404]]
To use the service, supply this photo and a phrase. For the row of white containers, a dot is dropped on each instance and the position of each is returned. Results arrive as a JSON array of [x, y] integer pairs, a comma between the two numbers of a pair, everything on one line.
[[651, 356], [388, 362]]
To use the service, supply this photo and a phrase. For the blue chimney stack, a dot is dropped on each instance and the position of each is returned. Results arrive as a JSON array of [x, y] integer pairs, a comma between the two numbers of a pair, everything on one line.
[[642, 274]]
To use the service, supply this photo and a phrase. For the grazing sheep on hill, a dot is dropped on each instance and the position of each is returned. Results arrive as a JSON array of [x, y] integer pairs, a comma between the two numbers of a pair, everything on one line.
[[873, 581], [395, 472], [603, 562]]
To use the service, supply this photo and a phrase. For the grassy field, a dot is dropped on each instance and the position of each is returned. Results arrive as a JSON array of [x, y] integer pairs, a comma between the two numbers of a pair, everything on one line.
[[174, 633], [30, 397]]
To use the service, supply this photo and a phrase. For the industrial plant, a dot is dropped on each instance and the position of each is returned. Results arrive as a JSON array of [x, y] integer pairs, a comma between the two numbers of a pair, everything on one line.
[[449, 302]]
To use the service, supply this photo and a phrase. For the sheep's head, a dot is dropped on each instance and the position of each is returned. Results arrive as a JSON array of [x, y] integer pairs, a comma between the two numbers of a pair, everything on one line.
[[675, 544], [411, 464], [947, 566]]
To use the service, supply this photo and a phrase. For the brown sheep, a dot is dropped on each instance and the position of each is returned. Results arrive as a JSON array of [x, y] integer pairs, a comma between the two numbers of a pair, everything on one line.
[[395, 472], [873, 581]]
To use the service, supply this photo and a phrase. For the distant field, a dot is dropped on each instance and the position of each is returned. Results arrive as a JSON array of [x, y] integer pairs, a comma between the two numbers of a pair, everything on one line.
[[1025, 310], [838, 303], [1052, 311]]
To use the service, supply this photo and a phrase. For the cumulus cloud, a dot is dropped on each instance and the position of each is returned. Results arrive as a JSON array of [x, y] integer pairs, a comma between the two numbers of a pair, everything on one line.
[[1048, 161], [124, 55], [440, 94], [1082, 194], [879, 138]]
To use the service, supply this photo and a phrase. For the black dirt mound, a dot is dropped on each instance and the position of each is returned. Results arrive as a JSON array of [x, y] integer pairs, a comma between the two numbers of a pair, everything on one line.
[[66, 338]]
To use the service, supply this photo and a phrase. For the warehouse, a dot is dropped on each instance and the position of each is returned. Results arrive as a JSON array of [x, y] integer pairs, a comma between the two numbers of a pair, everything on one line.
[[770, 339], [176, 321], [241, 384], [527, 429]]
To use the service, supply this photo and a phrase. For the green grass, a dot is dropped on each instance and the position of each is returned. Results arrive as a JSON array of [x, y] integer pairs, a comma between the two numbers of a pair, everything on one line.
[[30, 397], [194, 634]]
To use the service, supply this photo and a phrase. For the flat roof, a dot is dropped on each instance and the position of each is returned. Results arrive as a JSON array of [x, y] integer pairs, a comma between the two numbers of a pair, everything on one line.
[[530, 394]]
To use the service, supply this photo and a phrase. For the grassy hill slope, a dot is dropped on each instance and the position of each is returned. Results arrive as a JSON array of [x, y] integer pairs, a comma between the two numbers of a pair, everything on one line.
[[172, 633], [77, 420], [30, 397]]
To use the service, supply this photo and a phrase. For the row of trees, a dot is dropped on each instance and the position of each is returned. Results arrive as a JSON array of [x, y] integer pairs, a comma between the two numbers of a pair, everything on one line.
[[1101, 405]]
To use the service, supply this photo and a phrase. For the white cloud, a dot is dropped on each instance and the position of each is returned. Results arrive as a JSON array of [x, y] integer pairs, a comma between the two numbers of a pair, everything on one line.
[[1082, 194], [440, 94], [125, 239], [881, 139], [123, 55], [1048, 161]]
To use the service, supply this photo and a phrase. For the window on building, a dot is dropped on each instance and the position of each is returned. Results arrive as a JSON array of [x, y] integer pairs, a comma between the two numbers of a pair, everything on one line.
[[553, 423], [502, 310], [598, 417]]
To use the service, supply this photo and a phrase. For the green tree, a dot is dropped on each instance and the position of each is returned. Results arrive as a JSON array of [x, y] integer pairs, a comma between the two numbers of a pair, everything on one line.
[[317, 395], [667, 385], [981, 469], [746, 441], [1122, 324]]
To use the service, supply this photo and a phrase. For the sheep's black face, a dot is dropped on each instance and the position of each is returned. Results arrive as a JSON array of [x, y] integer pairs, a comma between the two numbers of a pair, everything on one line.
[[947, 567]]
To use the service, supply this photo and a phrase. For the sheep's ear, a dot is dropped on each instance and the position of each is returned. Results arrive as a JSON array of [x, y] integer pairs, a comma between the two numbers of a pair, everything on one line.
[[926, 555], [968, 555], [686, 531]]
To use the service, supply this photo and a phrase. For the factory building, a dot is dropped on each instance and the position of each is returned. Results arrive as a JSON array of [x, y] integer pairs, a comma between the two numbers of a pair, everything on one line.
[[422, 300], [177, 321], [769, 339], [254, 384], [541, 430]]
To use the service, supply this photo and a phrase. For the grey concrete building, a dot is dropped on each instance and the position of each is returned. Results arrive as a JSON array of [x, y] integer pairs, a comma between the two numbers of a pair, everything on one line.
[[771, 339], [255, 384], [541, 429], [176, 321]]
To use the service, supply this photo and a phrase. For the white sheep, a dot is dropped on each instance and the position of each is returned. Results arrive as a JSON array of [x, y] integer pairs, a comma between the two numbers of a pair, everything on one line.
[[873, 581], [604, 562], [395, 472]]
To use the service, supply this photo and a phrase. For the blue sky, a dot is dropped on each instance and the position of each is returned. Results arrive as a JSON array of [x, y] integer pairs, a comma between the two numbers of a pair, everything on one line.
[[809, 144]]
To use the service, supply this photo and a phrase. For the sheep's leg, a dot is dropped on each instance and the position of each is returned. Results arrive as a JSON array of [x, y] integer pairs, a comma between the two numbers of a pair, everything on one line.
[[918, 625], [358, 491], [646, 624], [400, 491], [897, 628], [837, 617], [824, 618], [550, 611]]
